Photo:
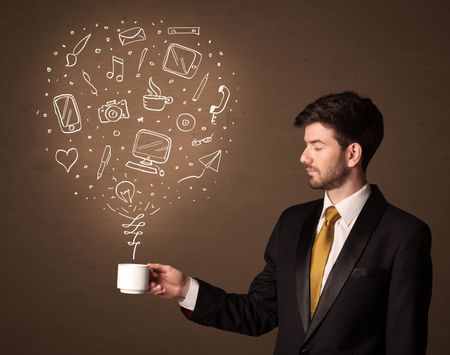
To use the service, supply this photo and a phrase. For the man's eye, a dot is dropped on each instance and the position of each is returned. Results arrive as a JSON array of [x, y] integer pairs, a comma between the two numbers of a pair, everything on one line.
[[317, 148]]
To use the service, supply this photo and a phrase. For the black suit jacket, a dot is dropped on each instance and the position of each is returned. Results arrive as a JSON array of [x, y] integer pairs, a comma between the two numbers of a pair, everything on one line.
[[375, 300]]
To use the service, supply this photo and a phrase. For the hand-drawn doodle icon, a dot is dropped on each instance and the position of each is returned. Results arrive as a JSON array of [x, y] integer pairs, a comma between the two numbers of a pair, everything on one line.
[[104, 161], [215, 110], [132, 229], [67, 158], [183, 31], [154, 101], [116, 62], [71, 58], [210, 161], [66, 109], [197, 142], [141, 60], [153, 148], [87, 79], [113, 111], [132, 35], [186, 122], [125, 191], [200, 88], [181, 61]]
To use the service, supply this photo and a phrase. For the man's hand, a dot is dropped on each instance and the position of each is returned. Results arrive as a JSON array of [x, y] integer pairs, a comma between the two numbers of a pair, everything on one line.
[[167, 282]]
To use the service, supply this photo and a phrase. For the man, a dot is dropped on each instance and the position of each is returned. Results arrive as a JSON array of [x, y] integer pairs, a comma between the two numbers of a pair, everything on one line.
[[346, 274]]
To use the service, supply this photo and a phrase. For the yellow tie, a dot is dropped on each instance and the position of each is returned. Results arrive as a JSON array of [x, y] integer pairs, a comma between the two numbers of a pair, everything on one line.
[[319, 256]]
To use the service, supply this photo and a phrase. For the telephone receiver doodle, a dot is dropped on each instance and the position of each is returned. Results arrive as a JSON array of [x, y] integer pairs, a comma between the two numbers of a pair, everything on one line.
[[216, 109]]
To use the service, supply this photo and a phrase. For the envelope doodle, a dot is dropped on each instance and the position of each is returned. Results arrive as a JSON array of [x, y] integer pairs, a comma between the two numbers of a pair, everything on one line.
[[132, 35]]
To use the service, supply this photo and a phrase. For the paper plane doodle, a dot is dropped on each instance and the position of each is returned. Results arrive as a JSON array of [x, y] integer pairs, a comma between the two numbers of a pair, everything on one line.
[[210, 161]]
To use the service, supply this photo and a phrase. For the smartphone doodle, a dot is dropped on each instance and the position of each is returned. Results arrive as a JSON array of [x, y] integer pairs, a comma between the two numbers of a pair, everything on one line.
[[181, 61], [216, 109], [66, 109]]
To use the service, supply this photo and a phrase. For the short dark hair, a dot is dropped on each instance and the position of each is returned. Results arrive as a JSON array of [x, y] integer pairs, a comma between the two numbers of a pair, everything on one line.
[[352, 117]]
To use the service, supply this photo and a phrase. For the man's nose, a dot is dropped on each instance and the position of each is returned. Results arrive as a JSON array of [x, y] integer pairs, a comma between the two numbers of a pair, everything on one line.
[[304, 158]]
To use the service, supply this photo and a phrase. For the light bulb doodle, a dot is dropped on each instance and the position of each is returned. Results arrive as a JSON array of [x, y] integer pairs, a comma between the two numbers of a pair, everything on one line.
[[125, 190]]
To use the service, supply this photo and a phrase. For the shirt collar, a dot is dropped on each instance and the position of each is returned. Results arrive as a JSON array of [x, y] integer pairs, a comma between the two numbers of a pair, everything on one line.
[[351, 206]]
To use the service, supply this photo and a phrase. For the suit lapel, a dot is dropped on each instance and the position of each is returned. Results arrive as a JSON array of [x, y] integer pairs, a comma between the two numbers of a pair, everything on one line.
[[306, 239], [354, 246]]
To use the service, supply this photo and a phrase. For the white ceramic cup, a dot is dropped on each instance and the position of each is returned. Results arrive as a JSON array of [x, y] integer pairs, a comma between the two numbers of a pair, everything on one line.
[[132, 278]]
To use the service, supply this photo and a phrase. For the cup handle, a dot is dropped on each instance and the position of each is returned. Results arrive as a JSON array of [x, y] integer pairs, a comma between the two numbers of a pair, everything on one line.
[[169, 100]]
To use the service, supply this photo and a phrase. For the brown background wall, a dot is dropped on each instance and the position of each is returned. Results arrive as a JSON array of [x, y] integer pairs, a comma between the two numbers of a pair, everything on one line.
[[59, 254]]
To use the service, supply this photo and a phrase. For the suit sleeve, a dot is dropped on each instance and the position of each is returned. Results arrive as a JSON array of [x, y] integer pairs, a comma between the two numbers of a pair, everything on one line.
[[410, 294], [254, 313]]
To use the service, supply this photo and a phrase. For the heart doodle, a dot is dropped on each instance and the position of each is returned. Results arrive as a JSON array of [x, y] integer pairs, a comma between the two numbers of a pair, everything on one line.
[[67, 158]]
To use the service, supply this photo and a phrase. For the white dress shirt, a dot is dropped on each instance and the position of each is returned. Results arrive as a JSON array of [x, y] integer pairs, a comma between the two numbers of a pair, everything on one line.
[[349, 209]]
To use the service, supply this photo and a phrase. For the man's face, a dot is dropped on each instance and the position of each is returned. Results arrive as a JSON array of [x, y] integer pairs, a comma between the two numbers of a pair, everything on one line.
[[324, 159]]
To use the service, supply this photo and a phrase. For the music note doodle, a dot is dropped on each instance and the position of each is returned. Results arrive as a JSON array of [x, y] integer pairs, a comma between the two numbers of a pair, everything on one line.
[[87, 79], [116, 62]]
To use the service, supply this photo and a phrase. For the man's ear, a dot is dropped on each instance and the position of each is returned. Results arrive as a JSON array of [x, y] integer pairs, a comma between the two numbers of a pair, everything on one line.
[[354, 154]]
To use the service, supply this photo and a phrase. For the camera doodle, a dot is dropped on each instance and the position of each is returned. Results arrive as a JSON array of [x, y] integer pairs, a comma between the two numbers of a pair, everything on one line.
[[113, 111]]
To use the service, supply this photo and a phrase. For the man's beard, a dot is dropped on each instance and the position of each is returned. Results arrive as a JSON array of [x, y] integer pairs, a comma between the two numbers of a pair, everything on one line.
[[333, 178]]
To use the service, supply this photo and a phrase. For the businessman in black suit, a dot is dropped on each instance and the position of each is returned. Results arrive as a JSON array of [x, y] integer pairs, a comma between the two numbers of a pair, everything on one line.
[[346, 274]]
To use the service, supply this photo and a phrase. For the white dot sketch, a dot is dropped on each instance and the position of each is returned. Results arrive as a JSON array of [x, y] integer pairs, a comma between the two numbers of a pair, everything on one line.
[[154, 101], [67, 158], [132, 35], [117, 65], [113, 111], [216, 109], [186, 122], [67, 112], [106, 156], [183, 31], [153, 148], [210, 161], [138, 140], [181, 60], [71, 58]]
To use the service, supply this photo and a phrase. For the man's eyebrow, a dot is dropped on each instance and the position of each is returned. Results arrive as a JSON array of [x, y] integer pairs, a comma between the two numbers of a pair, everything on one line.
[[315, 141]]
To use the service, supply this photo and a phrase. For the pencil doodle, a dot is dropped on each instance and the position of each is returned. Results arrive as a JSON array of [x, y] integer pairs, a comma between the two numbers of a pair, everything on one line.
[[104, 161]]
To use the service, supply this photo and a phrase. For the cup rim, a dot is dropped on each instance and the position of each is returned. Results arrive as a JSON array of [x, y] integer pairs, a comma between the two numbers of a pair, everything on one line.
[[133, 265]]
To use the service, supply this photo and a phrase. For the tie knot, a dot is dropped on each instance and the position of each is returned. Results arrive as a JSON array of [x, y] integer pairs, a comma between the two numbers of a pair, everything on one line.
[[331, 215]]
